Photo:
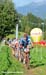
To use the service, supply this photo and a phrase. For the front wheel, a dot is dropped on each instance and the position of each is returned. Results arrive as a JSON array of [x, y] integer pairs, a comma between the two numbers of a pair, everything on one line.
[[27, 61]]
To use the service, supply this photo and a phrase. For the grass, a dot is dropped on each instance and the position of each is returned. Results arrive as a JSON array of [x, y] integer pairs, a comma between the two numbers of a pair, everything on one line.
[[38, 60], [11, 36], [38, 56], [9, 64]]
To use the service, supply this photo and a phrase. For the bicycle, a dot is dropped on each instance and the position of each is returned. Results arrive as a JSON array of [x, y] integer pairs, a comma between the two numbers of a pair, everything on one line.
[[24, 55], [27, 59]]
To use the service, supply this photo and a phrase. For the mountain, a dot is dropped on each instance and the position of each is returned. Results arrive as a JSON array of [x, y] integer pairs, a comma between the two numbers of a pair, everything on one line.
[[35, 8]]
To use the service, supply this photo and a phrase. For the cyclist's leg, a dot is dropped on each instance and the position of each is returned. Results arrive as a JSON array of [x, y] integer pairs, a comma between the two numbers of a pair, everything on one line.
[[23, 57], [19, 55]]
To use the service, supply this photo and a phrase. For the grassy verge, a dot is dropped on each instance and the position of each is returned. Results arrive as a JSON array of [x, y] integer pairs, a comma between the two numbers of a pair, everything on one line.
[[38, 56], [8, 63]]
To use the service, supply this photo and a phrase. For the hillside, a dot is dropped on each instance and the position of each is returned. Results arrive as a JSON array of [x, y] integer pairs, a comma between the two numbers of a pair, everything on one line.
[[30, 21]]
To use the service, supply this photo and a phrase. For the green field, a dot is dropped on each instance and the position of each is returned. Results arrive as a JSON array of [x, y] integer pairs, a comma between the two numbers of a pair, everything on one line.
[[38, 56], [11, 36], [8, 63], [38, 60]]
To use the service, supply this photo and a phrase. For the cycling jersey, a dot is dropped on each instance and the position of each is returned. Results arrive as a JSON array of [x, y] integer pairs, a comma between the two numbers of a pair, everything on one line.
[[25, 42]]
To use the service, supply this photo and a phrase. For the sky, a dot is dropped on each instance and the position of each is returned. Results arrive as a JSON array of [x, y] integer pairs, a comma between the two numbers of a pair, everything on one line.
[[20, 3]]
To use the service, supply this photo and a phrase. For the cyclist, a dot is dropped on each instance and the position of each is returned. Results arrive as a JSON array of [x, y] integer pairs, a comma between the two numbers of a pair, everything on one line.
[[25, 44], [15, 45]]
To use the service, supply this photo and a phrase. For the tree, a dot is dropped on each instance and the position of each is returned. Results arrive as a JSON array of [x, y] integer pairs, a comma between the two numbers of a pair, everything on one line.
[[7, 17], [30, 21]]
